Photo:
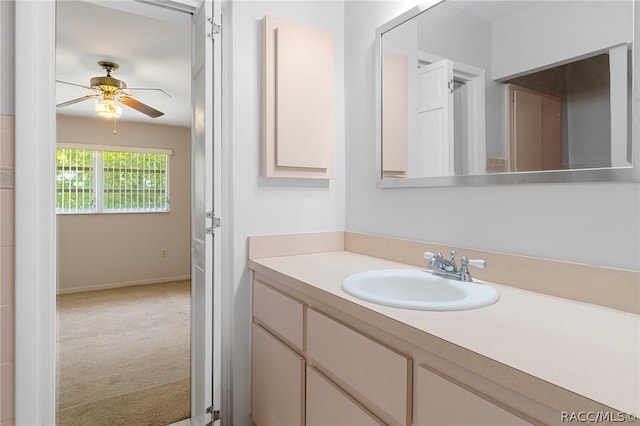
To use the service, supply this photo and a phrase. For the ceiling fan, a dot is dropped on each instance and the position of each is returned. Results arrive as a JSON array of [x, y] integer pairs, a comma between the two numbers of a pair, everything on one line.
[[109, 93]]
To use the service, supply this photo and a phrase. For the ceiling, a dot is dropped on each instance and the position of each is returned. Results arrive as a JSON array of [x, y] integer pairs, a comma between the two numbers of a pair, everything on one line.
[[150, 43]]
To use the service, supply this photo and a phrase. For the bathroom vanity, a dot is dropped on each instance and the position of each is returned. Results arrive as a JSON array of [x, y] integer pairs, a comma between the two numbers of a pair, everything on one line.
[[321, 356]]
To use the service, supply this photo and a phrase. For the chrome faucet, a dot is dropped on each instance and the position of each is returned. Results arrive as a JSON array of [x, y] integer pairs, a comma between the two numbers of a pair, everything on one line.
[[448, 269]]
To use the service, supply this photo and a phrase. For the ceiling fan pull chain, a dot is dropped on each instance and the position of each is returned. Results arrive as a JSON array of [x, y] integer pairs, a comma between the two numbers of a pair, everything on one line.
[[115, 130]]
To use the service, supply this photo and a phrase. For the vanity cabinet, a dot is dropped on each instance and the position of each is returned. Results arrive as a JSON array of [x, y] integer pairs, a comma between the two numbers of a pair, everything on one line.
[[309, 368]]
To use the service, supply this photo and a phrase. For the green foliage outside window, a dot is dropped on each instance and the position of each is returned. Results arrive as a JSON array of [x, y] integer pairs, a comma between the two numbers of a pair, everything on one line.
[[134, 181], [131, 181], [74, 179]]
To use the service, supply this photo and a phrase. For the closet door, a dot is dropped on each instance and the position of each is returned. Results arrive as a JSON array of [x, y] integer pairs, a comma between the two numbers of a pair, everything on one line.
[[535, 134], [527, 132]]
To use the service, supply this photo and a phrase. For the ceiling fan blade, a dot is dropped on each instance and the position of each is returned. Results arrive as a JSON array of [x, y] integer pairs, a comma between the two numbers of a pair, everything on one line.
[[144, 88], [74, 84], [139, 106], [75, 101]]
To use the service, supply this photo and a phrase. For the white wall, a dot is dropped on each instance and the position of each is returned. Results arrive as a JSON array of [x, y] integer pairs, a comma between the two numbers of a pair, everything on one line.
[[105, 250], [553, 31], [596, 223], [271, 205]]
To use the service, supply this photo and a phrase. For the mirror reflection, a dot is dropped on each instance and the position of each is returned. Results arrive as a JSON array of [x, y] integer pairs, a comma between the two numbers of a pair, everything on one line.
[[480, 87]]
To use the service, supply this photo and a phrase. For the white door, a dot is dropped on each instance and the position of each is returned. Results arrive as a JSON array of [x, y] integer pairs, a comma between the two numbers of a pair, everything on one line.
[[205, 235], [435, 117]]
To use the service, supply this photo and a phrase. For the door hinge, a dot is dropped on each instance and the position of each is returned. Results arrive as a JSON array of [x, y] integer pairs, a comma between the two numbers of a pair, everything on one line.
[[215, 415], [215, 223], [215, 28]]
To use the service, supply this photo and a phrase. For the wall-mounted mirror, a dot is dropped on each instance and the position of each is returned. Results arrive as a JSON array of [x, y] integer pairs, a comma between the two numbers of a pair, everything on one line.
[[480, 91]]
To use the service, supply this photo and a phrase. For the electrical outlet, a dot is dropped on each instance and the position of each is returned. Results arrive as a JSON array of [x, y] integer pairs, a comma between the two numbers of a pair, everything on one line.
[[163, 253]]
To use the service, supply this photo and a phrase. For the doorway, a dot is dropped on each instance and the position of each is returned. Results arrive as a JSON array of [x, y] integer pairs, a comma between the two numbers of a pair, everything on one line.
[[121, 280], [461, 145], [35, 255]]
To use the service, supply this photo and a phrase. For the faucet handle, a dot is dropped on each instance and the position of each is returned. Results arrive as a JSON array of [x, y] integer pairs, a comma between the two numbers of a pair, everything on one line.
[[433, 258], [478, 263], [428, 255]]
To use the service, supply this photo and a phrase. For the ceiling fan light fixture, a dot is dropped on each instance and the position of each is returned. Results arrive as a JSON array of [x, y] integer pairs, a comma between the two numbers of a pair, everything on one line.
[[107, 90], [108, 108]]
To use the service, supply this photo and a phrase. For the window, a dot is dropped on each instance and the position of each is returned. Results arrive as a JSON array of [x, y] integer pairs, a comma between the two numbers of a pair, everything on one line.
[[100, 179]]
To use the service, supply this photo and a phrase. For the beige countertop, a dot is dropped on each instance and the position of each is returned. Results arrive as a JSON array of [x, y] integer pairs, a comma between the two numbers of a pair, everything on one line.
[[587, 349]]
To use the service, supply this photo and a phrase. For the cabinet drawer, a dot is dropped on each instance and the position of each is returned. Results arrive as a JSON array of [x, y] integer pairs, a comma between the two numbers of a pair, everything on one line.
[[439, 401], [281, 314], [328, 405], [377, 376], [278, 375]]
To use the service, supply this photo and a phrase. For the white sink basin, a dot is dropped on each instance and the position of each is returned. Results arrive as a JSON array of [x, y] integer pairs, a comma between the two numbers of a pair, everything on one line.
[[416, 289]]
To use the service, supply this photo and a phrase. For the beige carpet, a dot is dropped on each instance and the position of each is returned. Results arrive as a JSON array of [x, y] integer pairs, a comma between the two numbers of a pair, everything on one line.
[[124, 356]]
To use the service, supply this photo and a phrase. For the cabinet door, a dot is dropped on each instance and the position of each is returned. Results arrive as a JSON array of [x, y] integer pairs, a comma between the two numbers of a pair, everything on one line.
[[376, 375], [277, 394], [328, 405], [298, 101], [280, 314], [441, 402]]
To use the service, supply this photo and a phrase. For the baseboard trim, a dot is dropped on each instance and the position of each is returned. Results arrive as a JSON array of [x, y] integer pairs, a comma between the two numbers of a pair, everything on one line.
[[123, 284]]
